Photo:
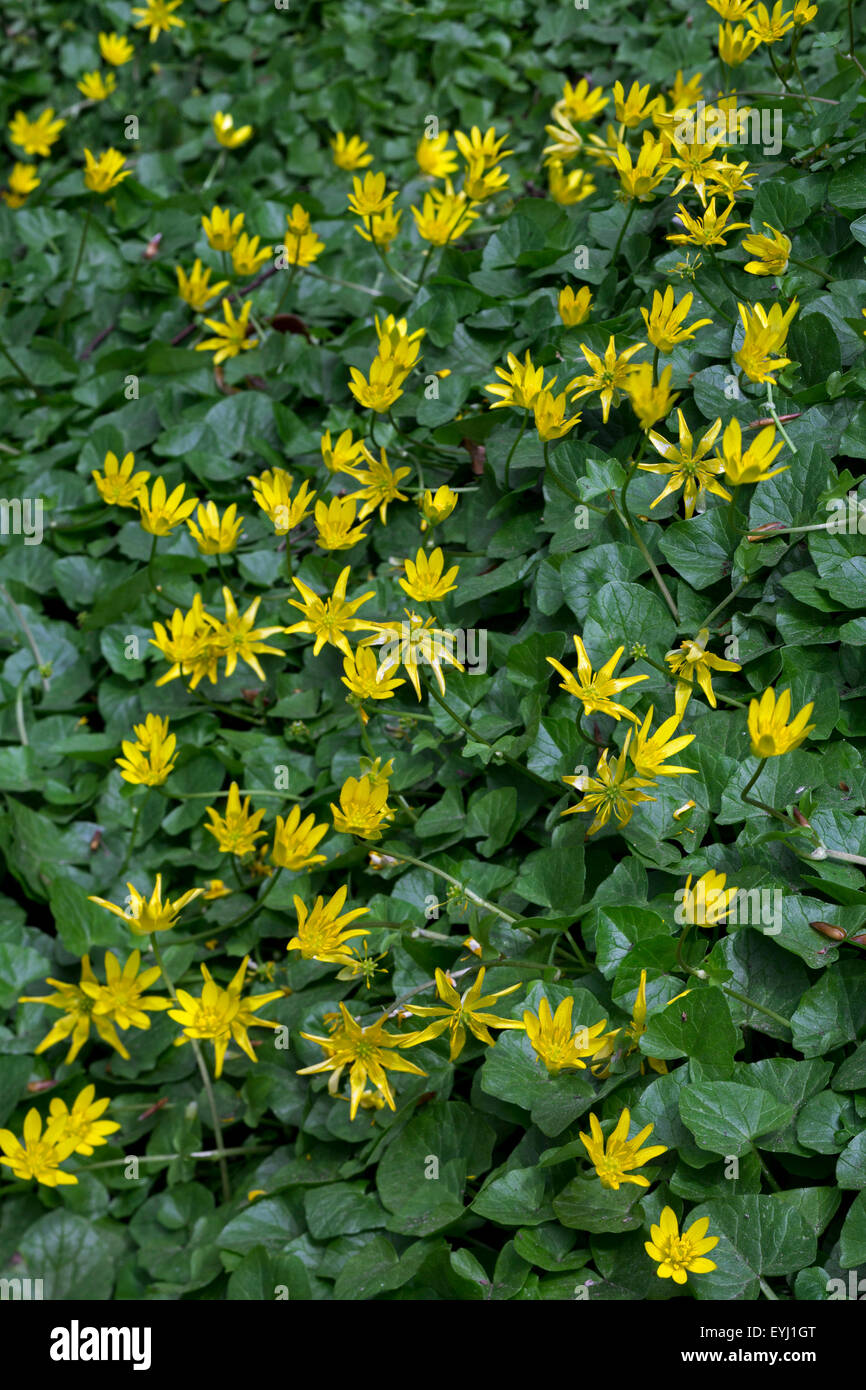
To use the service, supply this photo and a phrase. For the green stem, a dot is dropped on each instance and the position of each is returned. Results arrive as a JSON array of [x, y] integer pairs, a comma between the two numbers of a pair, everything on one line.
[[723, 277], [627, 520], [203, 1071], [795, 260], [778, 71], [513, 447], [766, 1290], [31, 640], [169, 1158], [623, 229], [257, 907], [765, 1170], [23, 375], [753, 801], [75, 269], [132, 837], [713, 305], [464, 891], [656, 367], [477, 738], [753, 1004], [19, 711], [214, 170], [771, 409]]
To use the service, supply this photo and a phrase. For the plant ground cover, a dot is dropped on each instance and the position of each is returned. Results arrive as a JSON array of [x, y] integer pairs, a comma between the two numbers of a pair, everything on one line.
[[431, 602]]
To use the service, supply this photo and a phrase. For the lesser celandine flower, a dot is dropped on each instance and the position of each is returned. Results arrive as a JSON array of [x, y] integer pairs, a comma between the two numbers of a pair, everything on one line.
[[680, 1255], [574, 308], [215, 534], [335, 524], [567, 188], [443, 217], [295, 841], [769, 730], [106, 172], [708, 902], [614, 1161], [635, 108], [608, 377], [221, 229], [246, 256], [556, 1041], [522, 383], [195, 289], [40, 1155], [363, 808], [362, 676], [731, 9], [158, 16], [35, 137], [486, 146], [688, 465], [708, 230], [380, 485], [221, 1015], [187, 643], [231, 335], [115, 49], [650, 400], [81, 1124], [551, 417], [396, 331], [160, 511], [639, 179], [123, 999], [650, 752], [228, 135], [239, 639], [610, 791], [751, 465], [350, 152], [425, 580], [480, 183], [96, 86], [381, 388], [341, 456], [149, 760], [381, 228], [691, 661], [582, 102], [77, 1006], [433, 156], [803, 12], [633, 1031], [324, 930], [596, 689], [329, 619], [22, 182], [730, 180], [144, 915], [367, 1052], [566, 141], [665, 321], [437, 507], [413, 643], [771, 252], [736, 44], [118, 484], [766, 332], [459, 1012], [272, 491], [770, 27], [303, 246], [236, 832], [368, 195]]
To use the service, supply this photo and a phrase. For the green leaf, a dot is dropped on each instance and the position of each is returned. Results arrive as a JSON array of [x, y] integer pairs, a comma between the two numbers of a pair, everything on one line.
[[726, 1117], [422, 1174], [698, 1026]]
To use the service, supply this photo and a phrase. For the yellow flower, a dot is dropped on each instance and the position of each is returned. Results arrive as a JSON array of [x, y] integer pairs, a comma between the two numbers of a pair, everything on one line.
[[118, 485], [96, 87], [383, 388], [396, 332], [460, 1012], [765, 335], [665, 322], [22, 182], [731, 9], [569, 188], [730, 179], [115, 49], [634, 1031], [246, 256], [225, 132], [145, 915], [523, 382], [608, 377], [215, 534], [433, 156], [335, 524], [220, 1015], [651, 751], [188, 644], [596, 689], [368, 195], [708, 902], [581, 103], [272, 491], [81, 1125], [221, 229], [158, 17], [35, 137], [610, 791], [368, 1052], [216, 889], [443, 217], [237, 831], [363, 808], [771, 252], [770, 27], [413, 642], [752, 465], [195, 289], [709, 230], [680, 1255], [650, 402], [342, 456], [77, 1006], [614, 1161], [556, 1041], [687, 465], [803, 12], [303, 246], [770, 732], [381, 229], [238, 638], [295, 841], [41, 1154], [350, 153], [231, 336], [634, 109], [122, 999], [380, 484], [690, 660], [362, 676], [437, 507], [330, 619], [322, 932], [480, 183], [736, 43], [106, 172], [574, 308], [686, 94], [486, 146], [549, 411], [148, 761], [160, 511], [425, 580], [640, 180], [566, 141]]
